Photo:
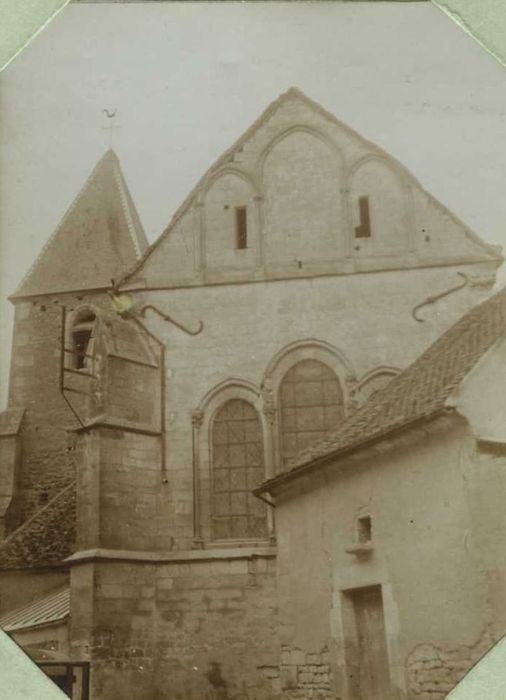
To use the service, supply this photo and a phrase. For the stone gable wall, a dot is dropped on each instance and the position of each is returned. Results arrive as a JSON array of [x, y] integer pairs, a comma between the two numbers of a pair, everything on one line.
[[301, 175]]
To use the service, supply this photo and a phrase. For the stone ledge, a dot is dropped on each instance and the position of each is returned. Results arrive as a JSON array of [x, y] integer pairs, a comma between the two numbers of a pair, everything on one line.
[[171, 557]]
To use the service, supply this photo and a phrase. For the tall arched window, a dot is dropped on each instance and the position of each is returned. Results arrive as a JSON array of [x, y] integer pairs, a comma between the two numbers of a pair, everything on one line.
[[82, 339], [237, 467], [311, 404]]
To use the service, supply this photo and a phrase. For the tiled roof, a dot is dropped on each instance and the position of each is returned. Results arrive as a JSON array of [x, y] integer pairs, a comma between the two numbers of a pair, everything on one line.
[[46, 539], [43, 611], [417, 393], [98, 239]]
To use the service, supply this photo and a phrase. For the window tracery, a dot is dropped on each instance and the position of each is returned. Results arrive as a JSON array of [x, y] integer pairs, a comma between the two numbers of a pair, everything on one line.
[[237, 467]]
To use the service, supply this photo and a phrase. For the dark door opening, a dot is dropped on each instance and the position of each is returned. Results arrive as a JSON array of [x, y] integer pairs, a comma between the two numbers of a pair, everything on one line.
[[72, 678]]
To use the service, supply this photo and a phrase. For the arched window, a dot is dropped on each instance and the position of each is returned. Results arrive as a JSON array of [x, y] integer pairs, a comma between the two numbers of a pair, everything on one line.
[[311, 404], [237, 467], [82, 339]]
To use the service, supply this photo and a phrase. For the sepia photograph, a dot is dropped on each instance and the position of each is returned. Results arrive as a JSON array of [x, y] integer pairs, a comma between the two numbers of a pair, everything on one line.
[[253, 357]]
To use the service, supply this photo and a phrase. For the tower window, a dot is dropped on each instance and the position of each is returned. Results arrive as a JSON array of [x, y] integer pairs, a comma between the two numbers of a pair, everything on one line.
[[363, 230], [241, 228], [82, 333]]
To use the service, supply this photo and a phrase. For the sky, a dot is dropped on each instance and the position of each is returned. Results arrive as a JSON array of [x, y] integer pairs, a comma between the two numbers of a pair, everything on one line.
[[187, 79]]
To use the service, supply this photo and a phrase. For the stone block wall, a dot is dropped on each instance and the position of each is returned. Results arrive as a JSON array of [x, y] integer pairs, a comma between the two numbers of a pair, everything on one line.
[[216, 629], [178, 630], [302, 675], [131, 489], [120, 491], [112, 625], [433, 671], [46, 465]]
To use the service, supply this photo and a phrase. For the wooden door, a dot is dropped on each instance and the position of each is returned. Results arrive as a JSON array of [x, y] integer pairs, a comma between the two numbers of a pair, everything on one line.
[[373, 669]]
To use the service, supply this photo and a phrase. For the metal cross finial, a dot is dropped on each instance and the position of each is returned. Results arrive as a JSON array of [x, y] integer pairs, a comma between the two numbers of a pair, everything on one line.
[[110, 114]]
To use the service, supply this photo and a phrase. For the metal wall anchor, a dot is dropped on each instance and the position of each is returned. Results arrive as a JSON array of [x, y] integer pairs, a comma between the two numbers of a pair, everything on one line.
[[435, 297], [168, 318]]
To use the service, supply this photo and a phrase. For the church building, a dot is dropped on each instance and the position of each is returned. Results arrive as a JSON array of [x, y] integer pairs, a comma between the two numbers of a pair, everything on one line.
[[162, 397]]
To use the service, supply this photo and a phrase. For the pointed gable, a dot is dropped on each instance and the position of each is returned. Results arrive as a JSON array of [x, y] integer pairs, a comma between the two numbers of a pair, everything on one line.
[[304, 178], [99, 238]]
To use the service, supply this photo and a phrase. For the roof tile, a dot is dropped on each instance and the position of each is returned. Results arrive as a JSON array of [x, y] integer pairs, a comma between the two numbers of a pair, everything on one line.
[[418, 392]]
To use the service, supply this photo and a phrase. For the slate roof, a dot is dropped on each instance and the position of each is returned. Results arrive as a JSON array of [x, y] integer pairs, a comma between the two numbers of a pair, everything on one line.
[[98, 239], [45, 539], [418, 393], [53, 607]]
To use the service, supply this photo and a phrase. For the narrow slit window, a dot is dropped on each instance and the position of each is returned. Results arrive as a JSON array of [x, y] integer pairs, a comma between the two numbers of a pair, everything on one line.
[[364, 525], [241, 228], [363, 230]]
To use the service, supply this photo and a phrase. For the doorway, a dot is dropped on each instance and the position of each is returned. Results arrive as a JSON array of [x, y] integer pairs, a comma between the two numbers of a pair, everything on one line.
[[369, 672]]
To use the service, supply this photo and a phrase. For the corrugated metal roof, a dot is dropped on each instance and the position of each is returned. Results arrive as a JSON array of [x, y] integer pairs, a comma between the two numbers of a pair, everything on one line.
[[51, 608]]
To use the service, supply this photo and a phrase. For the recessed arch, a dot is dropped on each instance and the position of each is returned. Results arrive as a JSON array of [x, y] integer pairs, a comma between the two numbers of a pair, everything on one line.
[[234, 386], [374, 380], [230, 220], [308, 348], [380, 206], [310, 400], [212, 178], [303, 128], [303, 181], [394, 167], [230, 434], [334, 364]]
